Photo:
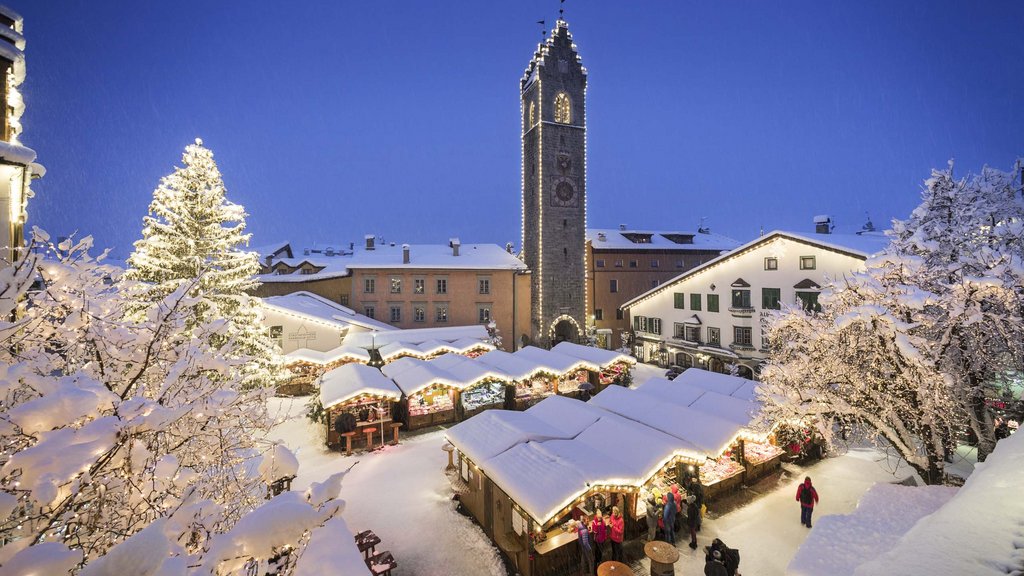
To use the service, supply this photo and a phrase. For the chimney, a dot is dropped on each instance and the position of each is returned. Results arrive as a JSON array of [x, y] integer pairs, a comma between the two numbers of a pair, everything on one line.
[[622, 227], [351, 246], [329, 251], [454, 243], [369, 241], [405, 253], [823, 224]]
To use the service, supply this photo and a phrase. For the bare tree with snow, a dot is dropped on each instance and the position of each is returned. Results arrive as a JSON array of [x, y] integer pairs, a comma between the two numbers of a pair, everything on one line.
[[969, 235], [126, 445]]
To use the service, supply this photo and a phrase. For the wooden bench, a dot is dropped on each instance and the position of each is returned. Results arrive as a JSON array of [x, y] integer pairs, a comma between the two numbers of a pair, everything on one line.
[[367, 542], [381, 563]]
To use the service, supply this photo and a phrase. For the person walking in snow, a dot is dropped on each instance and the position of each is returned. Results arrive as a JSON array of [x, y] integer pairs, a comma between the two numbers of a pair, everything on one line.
[[599, 533], [618, 528], [807, 496], [692, 516], [586, 549], [693, 487], [669, 518], [653, 515]]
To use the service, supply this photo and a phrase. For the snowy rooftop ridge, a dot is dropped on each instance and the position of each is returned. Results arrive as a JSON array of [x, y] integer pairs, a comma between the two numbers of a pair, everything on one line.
[[476, 332], [642, 239], [353, 380], [316, 307], [857, 245]]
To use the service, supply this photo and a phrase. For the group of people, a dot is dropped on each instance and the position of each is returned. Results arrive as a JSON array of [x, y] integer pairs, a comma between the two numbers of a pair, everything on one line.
[[666, 513], [593, 533]]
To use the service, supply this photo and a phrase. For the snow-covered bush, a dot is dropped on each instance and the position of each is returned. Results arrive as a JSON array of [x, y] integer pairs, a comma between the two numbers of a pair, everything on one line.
[[129, 442]]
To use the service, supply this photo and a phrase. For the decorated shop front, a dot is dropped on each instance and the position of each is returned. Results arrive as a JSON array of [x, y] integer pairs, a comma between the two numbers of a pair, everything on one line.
[[355, 398]]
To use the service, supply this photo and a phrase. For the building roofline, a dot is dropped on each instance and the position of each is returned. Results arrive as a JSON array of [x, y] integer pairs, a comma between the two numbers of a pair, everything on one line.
[[749, 246]]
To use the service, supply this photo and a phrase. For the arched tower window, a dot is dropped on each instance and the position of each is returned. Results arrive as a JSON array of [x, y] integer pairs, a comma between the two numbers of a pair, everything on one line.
[[533, 113], [563, 108]]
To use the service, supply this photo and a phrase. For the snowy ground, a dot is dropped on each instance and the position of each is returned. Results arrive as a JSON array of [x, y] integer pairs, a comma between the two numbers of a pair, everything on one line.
[[402, 494]]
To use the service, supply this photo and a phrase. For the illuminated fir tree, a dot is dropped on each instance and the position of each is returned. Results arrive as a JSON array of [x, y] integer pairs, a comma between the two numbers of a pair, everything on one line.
[[194, 236]]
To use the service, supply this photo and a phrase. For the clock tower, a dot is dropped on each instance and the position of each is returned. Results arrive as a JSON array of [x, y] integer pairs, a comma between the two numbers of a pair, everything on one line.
[[553, 98]]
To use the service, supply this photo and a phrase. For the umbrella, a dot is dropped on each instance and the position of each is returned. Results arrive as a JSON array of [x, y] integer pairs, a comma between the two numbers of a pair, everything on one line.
[[586, 386]]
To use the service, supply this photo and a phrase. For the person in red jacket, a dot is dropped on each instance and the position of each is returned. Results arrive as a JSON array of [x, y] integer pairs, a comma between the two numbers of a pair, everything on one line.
[[599, 533], [807, 496], [617, 524]]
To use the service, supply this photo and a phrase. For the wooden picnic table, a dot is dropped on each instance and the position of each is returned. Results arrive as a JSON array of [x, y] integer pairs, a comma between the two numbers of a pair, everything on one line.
[[381, 563], [367, 542]]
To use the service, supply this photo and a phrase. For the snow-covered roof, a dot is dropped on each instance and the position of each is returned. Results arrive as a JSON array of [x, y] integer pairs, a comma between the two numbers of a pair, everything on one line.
[[15, 153], [494, 431], [352, 380], [671, 391], [597, 356], [418, 375], [618, 239], [553, 362], [985, 514], [467, 371], [567, 414], [341, 261], [708, 380], [317, 307], [517, 367], [709, 435], [324, 358], [475, 332], [860, 246]]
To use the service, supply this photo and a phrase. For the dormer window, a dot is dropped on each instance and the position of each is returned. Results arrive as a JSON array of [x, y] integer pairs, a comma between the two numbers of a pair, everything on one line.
[[563, 108]]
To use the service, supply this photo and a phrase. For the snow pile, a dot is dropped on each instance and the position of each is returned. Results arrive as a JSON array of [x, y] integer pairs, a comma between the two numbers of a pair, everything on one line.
[[979, 531], [840, 543], [277, 464]]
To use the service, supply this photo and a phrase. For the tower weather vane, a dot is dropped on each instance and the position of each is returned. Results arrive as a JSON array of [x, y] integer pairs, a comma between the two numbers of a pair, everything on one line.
[[561, 9], [543, 32]]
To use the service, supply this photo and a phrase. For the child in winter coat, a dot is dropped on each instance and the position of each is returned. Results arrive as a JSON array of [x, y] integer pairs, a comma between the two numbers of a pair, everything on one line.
[[807, 496]]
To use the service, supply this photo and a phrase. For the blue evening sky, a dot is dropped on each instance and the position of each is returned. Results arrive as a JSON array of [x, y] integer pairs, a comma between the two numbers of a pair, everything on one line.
[[334, 119]]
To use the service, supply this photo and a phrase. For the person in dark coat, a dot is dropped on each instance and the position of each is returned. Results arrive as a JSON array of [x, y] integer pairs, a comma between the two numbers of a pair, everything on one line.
[[694, 487], [692, 517], [713, 565], [670, 518], [730, 556], [586, 548], [652, 517], [807, 496]]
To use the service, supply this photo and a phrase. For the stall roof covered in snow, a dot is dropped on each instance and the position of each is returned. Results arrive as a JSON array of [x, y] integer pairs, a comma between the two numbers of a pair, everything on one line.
[[553, 362], [517, 367], [319, 308], [619, 239], [331, 356], [475, 332], [597, 356], [708, 380], [494, 431], [352, 380], [416, 375]]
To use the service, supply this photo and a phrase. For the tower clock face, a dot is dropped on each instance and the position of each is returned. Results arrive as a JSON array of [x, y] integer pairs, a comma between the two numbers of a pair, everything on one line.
[[564, 194]]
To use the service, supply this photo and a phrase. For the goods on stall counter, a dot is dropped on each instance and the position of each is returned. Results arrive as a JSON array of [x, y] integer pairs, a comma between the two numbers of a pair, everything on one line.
[[483, 395], [756, 453], [719, 470]]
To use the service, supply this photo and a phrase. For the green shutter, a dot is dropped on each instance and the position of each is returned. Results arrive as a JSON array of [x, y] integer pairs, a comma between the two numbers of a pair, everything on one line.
[[712, 302], [695, 301], [680, 300]]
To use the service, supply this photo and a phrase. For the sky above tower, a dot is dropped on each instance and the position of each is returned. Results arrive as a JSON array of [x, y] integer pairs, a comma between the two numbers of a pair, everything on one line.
[[330, 120]]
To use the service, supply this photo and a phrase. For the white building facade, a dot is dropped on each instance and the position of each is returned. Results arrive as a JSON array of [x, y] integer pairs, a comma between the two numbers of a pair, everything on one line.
[[713, 316]]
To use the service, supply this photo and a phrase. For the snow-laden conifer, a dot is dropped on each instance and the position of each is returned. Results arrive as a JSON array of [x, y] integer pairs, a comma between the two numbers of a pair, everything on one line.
[[194, 236]]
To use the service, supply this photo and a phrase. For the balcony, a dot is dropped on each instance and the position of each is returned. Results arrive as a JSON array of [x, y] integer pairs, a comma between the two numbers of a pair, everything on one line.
[[744, 312]]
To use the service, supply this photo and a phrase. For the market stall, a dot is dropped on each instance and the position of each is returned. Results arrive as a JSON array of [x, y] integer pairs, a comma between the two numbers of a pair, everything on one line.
[[612, 367], [566, 372], [721, 476], [482, 386], [355, 397], [761, 459], [532, 382], [307, 365], [430, 394]]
